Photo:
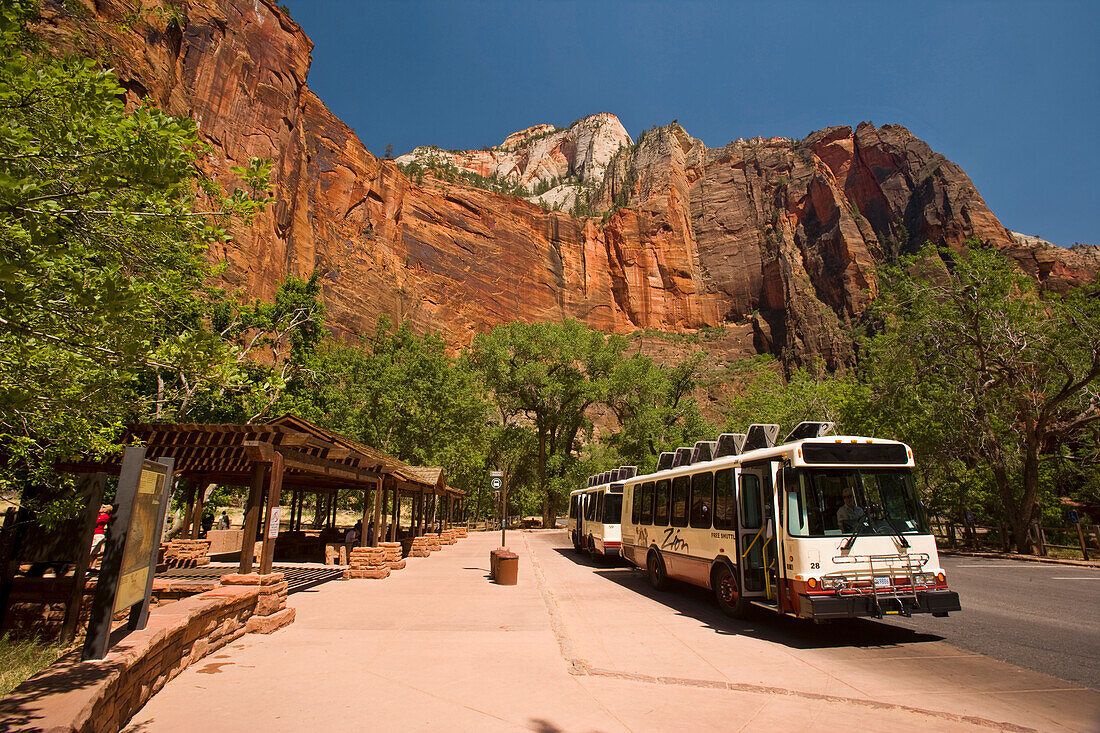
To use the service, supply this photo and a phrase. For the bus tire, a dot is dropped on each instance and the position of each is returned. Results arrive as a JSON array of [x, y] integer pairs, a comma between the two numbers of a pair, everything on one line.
[[592, 550], [727, 592], [576, 541], [655, 571]]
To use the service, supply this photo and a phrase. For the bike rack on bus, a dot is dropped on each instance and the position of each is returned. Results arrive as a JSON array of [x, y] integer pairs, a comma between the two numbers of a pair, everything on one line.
[[908, 564]]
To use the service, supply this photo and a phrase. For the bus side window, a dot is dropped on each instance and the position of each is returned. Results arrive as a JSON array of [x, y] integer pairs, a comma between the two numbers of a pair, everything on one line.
[[680, 487], [647, 503], [635, 504], [725, 508], [589, 507], [660, 507], [599, 506], [751, 516], [702, 499]]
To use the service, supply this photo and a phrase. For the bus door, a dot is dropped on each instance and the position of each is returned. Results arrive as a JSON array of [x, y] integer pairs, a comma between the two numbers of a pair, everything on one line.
[[757, 532]]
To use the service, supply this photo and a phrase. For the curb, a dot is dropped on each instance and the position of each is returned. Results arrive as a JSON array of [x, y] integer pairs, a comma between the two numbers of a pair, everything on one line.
[[1021, 558]]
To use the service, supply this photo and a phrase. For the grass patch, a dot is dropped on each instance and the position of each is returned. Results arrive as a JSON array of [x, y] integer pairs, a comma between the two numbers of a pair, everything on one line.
[[21, 659]]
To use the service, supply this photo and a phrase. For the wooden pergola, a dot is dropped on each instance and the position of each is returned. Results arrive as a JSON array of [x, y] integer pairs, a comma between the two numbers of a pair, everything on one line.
[[291, 453]]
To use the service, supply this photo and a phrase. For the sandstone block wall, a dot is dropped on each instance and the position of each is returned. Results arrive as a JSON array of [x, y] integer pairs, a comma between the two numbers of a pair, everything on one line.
[[103, 694]]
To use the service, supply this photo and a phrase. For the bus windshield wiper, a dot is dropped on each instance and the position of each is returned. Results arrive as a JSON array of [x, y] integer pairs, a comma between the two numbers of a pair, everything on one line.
[[863, 521]]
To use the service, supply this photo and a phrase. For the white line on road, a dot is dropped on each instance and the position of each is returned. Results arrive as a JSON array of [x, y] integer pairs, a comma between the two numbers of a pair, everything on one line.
[[1018, 565], [1094, 577]]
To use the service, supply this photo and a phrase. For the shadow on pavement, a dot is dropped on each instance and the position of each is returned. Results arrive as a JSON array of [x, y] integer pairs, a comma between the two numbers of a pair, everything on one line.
[[698, 603]]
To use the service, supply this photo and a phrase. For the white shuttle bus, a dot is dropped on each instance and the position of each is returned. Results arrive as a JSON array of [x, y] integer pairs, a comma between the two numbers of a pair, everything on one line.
[[818, 527], [595, 513]]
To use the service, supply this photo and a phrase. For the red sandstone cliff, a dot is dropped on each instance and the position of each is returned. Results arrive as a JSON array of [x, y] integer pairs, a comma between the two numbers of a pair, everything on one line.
[[780, 238]]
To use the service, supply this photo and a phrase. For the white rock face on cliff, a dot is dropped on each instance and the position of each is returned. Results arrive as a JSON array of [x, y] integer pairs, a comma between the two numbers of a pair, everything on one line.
[[577, 154]]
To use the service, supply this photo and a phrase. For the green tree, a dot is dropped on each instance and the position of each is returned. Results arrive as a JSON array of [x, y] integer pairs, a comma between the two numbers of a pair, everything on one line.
[[403, 394], [990, 374], [104, 222], [765, 396], [655, 409], [546, 376]]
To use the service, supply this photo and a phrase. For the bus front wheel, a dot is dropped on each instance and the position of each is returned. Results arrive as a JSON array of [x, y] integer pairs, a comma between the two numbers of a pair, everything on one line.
[[655, 568], [728, 594]]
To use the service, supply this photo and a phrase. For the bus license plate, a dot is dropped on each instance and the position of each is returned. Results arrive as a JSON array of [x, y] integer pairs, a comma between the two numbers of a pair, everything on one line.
[[882, 581]]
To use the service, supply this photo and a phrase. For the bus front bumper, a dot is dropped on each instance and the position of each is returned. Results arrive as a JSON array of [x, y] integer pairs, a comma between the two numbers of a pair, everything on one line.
[[937, 602]]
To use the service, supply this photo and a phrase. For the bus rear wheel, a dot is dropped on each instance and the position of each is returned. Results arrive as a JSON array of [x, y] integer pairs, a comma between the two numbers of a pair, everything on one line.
[[727, 593], [655, 569], [592, 552]]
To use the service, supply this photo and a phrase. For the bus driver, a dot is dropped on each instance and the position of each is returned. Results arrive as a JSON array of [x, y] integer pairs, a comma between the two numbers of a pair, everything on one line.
[[849, 513]]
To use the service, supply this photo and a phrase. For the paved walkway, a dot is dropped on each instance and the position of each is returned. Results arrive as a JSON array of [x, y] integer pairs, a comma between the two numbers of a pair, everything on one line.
[[438, 646]]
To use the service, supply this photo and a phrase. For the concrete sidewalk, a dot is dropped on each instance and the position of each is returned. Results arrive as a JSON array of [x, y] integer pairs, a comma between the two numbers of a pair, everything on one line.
[[438, 646]]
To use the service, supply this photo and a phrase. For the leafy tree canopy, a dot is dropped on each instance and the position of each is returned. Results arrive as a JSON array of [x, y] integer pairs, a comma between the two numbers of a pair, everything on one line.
[[104, 223]]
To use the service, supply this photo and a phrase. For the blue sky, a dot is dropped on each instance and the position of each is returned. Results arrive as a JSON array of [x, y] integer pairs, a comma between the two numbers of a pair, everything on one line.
[[1008, 90]]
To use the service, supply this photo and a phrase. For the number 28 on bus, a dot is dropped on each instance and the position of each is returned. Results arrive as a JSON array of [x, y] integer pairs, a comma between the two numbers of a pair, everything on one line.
[[819, 526]]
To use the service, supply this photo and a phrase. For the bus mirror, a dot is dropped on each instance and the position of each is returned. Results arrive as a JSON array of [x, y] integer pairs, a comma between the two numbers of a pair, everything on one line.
[[769, 529]]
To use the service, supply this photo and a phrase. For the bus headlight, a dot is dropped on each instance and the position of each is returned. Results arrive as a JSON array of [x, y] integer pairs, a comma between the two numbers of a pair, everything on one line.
[[924, 578], [834, 582]]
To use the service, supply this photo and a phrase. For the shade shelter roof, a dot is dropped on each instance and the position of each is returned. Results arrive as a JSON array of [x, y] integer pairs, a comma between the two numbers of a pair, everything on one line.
[[314, 457]]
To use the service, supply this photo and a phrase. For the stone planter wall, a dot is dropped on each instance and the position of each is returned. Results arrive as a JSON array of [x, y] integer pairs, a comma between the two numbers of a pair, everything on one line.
[[103, 694]]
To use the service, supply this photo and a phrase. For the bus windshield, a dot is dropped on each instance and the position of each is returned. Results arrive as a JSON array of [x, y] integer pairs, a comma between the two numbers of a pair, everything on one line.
[[827, 502]]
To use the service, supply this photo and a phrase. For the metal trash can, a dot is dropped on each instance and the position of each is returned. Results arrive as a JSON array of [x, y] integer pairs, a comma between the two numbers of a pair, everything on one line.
[[494, 560], [507, 572]]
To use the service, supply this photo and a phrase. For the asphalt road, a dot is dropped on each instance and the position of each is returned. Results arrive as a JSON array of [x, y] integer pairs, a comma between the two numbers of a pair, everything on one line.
[[1040, 616]]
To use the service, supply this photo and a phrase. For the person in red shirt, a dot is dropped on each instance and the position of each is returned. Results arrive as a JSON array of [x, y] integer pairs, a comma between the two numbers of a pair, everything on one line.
[[101, 522]]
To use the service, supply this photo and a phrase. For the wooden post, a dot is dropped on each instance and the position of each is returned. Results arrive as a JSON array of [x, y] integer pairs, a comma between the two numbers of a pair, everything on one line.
[[271, 518], [435, 510], [76, 595], [252, 518], [200, 500], [365, 520], [1042, 539], [189, 512], [1081, 539], [377, 514], [396, 519], [419, 504]]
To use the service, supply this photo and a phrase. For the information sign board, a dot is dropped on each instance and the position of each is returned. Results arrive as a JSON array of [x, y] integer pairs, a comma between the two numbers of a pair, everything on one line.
[[130, 550], [137, 555]]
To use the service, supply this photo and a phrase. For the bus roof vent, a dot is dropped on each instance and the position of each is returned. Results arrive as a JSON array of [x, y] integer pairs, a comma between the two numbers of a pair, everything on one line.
[[729, 444], [614, 474], [761, 435], [626, 472], [683, 457], [591, 479], [809, 429], [704, 451], [605, 477], [664, 461]]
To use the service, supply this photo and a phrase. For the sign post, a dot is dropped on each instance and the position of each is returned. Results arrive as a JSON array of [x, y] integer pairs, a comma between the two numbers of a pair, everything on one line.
[[130, 551], [1075, 520], [498, 483]]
